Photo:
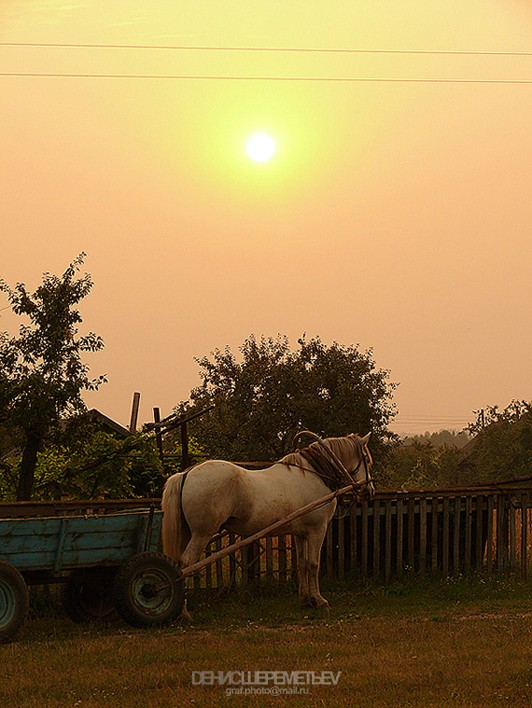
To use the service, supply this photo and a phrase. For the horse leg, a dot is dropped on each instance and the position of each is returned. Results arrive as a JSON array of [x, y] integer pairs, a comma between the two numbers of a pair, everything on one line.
[[315, 542], [303, 569], [194, 548]]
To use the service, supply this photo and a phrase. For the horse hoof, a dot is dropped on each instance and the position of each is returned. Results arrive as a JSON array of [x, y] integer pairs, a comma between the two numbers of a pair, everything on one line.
[[186, 617]]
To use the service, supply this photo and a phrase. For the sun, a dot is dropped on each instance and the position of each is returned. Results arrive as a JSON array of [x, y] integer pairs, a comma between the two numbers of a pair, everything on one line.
[[260, 147]]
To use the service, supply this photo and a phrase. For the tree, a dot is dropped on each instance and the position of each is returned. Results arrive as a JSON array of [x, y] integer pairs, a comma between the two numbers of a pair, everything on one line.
[[422, 465], [503, 445], [272, 393], [42, 375]]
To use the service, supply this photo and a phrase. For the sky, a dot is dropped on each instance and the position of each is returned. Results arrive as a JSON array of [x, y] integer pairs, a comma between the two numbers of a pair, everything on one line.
[[396, 213]]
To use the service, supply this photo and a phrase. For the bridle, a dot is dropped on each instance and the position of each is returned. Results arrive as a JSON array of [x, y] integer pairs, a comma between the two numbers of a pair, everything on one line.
[[360, 489]]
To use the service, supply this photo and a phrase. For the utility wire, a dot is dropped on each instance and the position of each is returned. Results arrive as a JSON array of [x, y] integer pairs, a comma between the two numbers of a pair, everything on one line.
[[302, 50], [190, 77]]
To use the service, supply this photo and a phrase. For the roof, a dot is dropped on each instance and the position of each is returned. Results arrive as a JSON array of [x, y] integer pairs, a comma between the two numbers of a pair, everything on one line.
[[97, 416]]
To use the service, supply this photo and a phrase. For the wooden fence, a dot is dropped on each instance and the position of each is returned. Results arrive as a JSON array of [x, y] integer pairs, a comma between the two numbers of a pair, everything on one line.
[[399, 534]]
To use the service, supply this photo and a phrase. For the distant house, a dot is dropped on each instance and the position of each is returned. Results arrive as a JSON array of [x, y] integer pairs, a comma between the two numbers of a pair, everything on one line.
[[106, 424]]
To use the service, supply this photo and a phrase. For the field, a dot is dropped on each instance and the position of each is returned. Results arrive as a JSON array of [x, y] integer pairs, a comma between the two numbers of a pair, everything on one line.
[[463, 642]]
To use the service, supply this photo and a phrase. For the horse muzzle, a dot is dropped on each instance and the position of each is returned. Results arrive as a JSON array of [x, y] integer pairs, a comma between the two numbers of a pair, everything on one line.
[[367, 492]]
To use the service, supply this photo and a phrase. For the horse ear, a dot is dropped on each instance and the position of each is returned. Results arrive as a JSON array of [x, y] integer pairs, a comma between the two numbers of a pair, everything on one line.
[[365, 439]]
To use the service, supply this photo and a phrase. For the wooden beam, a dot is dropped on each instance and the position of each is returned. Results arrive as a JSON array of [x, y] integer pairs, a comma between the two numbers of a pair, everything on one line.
[[134, 413]]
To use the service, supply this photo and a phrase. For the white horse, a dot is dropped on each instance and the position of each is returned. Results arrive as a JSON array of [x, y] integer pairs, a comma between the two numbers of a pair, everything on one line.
[[216, 495]]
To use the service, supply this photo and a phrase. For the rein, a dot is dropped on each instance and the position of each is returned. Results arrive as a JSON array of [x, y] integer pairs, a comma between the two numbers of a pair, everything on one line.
[[330, 468]]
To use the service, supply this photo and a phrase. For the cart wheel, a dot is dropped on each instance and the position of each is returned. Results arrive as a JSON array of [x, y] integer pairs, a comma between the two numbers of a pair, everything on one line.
[[149, 590], [14, 601], [87, 595]]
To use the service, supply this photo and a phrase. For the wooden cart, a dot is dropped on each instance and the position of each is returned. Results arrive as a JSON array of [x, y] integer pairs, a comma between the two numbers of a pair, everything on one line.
[[105, 556]]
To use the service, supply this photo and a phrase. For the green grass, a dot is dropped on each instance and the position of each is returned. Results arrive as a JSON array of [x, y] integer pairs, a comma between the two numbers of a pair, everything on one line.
[[462, 641]]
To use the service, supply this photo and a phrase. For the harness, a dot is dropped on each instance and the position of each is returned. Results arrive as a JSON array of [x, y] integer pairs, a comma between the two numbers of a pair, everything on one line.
[[331, 470]]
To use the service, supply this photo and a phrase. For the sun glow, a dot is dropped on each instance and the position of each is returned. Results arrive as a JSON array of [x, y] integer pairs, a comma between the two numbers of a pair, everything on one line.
[[260, 147]]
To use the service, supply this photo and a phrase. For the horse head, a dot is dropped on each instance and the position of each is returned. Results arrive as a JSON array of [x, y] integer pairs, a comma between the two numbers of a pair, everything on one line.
[[353, 451], [365, 463], [349, 454]]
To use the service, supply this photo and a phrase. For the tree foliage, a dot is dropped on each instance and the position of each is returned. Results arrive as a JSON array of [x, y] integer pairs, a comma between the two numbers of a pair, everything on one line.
[[422, 465], [267, 395], [503, 447], [443, 438], [42, 373], [97, 465]]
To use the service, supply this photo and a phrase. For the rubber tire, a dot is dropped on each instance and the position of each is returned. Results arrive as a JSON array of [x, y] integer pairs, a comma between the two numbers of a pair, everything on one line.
[[149, 590], [14, 601], [87, 595]]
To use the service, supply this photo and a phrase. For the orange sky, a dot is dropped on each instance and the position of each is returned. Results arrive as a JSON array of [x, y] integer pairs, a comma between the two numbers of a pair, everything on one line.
[[394, 215]]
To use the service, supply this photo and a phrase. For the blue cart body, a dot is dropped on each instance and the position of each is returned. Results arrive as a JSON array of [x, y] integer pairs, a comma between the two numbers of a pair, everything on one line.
[[68, 542], [106, 555]]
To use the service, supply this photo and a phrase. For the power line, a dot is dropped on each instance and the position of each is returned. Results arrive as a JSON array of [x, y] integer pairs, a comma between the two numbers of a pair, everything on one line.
[[191, 77], [301, 50]]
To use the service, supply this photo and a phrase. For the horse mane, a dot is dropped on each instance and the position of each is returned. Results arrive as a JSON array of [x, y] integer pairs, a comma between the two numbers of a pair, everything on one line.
[[330, 466], [338, 446]]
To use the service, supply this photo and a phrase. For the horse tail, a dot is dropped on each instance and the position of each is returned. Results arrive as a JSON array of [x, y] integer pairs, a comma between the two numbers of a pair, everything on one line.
[[173, 516]]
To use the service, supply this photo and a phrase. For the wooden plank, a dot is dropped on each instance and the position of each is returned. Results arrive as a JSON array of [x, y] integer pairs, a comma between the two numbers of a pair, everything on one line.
[[456, 535], [134, 412], [341, 546], [32, 528], [387, 540], [479, 546], [219, 565], [208, 569], [60, 545], [468, 535], [106, 524], [269, 557], [232, 558], [70, 560], [329, 550], [422, 536], [281, 550], [411, 534], [365, 541], [399, 538], [445, 539], [293, 558], [376, 538], [524, 533], [489, 535], [353, 513], [434, 535], [512, 537], [91, 507], [501, 533]]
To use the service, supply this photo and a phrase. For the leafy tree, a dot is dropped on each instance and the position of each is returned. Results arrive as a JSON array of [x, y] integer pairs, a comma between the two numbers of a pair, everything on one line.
[[100, 465], [446, 438], [503, 446], [513, 413], [422, 465], [42, 375], [271, 393]]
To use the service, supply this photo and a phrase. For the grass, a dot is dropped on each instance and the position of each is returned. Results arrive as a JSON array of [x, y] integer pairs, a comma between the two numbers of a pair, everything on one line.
[[463, 642]]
